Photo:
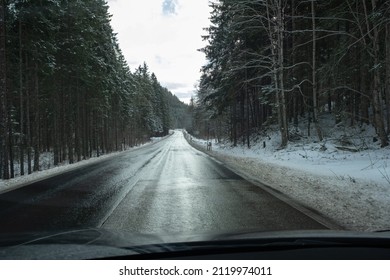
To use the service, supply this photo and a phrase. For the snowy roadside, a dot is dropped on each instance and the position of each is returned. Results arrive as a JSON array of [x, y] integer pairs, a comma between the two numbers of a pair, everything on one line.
[[20, 181], [351, 189]]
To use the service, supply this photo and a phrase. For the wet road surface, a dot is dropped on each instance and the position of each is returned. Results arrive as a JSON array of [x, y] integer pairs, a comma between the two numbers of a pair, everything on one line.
[[165, 187]]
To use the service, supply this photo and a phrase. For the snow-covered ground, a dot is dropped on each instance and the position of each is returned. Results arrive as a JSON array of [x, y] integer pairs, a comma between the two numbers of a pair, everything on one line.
[[48, 170], [346, 177]]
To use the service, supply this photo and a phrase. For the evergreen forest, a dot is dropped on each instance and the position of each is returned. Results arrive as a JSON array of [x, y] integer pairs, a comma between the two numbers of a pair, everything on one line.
[[66, 88], [279, 62]]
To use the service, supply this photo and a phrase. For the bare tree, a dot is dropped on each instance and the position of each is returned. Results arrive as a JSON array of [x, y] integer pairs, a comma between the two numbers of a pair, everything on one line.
[[314, 73], [371, 40], [277, 7]]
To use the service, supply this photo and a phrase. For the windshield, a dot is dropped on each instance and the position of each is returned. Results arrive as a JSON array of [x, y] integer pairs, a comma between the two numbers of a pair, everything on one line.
[[194, 117]]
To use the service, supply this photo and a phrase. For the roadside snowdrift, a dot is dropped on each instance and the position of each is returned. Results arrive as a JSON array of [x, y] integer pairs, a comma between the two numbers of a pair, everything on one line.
[[47, 170], [346, 178]]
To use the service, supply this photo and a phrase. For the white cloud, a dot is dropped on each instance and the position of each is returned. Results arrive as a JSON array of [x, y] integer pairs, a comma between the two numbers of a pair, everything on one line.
[[168, 44]]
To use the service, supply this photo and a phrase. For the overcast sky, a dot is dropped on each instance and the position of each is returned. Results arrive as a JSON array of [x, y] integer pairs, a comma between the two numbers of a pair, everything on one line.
[[166, 35]]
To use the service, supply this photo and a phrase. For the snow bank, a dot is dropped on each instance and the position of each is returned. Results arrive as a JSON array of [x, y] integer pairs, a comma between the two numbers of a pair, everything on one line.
[[348, 185], [48, 170], [17, 182]]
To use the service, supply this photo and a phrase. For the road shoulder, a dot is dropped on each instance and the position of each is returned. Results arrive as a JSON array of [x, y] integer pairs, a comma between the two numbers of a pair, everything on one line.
[[351, 208]]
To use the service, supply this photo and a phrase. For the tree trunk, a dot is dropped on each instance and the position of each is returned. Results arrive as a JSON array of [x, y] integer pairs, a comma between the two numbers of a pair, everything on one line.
[[365, 101], [10, 146], [373, 50], [21, 131], [376, 93], [283, 109], [28, 120], [248, 114], [314, 70], [36, 138], [276, 41], [4, 137], [69, 111], [242, 116], [295, 93], [387, 92], [234, 120]]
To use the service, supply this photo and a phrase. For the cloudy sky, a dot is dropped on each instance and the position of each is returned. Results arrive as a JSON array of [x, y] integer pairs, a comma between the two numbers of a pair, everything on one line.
[[166, 35]]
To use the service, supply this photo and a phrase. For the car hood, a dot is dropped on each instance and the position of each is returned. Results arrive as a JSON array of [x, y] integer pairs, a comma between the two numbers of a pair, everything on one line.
[[96, 243]]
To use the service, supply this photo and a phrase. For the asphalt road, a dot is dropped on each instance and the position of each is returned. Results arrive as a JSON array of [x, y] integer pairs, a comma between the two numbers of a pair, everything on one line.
[[165, 187]]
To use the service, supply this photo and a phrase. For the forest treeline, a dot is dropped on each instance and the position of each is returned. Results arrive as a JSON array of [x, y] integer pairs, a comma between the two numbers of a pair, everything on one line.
[[66, 89], [279, 61]]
